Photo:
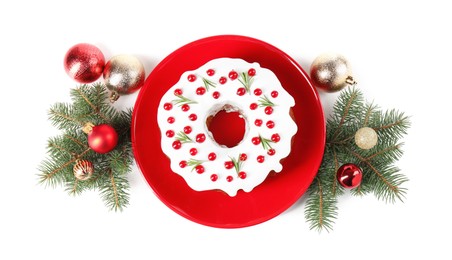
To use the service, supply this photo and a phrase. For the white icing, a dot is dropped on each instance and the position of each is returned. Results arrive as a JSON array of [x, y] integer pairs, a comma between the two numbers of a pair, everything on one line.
[[206, 106]]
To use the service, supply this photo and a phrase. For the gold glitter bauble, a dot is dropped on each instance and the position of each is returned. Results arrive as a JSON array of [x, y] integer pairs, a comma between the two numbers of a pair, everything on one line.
[[366, 138], [331, 72], [124, 74], [83, 169]]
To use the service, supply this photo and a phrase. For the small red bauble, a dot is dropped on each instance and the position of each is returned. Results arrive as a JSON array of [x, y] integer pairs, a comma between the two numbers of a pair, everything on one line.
[[251, 72], [214, 177], [167, 106], [253, 106], [102, 138], [171, 120], [349, 175], [193, 117], [229, 178], [183, 164], [84, 63], [275, 138], [177, 144], [242, 175], [274, 94], [170, 133], [270, 124], [258, 122], [243, 157], [257, 92], [260, 159], [271, 152]]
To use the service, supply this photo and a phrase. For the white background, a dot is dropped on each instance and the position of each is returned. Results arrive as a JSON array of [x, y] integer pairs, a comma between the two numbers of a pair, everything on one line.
[[401, 56]]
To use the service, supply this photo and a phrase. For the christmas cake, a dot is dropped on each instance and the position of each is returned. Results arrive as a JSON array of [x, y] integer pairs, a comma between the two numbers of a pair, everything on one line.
[[226, 85]]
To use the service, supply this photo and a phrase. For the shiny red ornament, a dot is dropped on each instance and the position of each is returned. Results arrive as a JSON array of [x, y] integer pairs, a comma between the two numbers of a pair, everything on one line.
[[84, 63], [349, 175], [102, 138]]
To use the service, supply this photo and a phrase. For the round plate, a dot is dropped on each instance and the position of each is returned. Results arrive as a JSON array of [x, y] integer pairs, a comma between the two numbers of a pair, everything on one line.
[[213, 208]]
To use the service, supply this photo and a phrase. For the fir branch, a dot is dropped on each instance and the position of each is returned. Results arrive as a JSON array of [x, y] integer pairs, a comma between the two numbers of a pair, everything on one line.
[[265, 102], [62, 116], [208, 83], [321, 209], [183, 137], [380, 177], [181, 100], [114, 191], [246, 81]]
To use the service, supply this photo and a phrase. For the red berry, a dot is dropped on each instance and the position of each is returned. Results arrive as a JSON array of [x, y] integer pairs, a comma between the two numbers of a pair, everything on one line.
[[167, 106], [253, 106], [233, 75], [178, 92], [200, 91], [213, 177], [260, 159], [275, 138], [243, 157], [185, 107], [223, 80], [228, 165], [229, 178], [177, 144], [200, 138], [258, 92], [210, 72], [268, 110], [193, 117], [274, 94], [251, 72], [187, 129], [170, 133], [199, 169], [258, 122], [270, 124], [216, 94], [183, 164], [241, 91], [242, 175], [193, 151], [271, 152], [171, 120], [256, 140], [212, 156], [191, 77]]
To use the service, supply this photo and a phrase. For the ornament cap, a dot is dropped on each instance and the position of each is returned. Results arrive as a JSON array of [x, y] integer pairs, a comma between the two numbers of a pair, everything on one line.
[[88, 127]]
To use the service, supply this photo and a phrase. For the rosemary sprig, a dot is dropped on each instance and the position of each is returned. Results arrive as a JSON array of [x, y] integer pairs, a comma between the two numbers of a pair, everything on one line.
[[181, 100], [184, 138], [246, 81], [265, 102], [208, 83], [237, 163], [265, 143], [194, 163]]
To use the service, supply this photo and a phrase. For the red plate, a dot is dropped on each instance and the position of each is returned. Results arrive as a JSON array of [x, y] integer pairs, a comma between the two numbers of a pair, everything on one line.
[[213, 208]]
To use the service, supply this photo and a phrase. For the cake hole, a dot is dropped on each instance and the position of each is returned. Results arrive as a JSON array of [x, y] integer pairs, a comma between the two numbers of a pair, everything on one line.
[[227, 127]]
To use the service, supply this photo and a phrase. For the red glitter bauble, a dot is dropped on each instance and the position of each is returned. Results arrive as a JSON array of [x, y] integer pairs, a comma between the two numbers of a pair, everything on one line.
[[349, 175], [84, 63], [102, 138]]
